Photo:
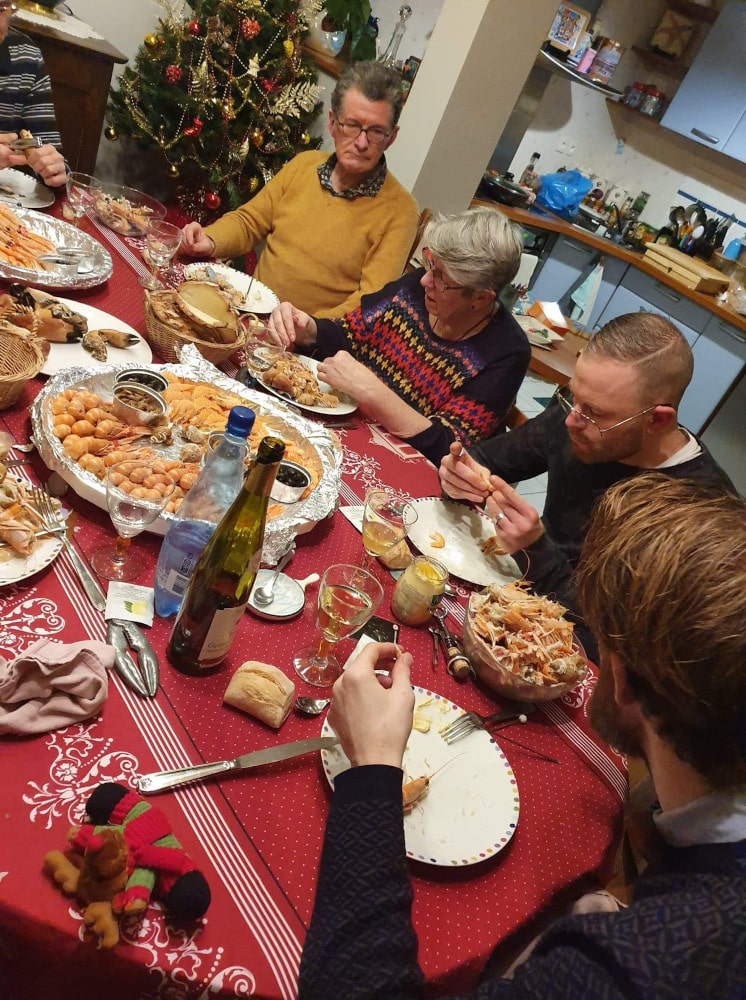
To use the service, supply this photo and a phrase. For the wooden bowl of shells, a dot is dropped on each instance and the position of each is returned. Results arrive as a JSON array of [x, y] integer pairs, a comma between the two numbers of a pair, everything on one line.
[[197, 312], [21, 359]]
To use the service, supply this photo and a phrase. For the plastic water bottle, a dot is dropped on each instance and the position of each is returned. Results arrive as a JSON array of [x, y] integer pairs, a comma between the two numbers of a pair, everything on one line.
[[214, 491]]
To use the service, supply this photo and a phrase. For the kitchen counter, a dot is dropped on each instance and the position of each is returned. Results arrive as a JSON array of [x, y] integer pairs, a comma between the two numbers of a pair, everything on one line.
[[552, 223]]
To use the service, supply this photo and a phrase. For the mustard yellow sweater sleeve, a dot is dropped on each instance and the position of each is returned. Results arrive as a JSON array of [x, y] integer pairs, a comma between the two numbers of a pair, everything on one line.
[[321, 252]]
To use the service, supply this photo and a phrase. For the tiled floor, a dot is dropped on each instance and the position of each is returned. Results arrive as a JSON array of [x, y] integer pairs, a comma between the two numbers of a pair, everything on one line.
[[532, 397]]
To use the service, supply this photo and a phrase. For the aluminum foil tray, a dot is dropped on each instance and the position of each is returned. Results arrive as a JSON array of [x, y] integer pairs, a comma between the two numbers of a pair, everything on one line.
[[296, 519], [94, 270]]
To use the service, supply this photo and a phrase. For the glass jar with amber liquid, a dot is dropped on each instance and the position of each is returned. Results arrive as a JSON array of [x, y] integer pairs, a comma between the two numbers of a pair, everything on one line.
[[418, 590]]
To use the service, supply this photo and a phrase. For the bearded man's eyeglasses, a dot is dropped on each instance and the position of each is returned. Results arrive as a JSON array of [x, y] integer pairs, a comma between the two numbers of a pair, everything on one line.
[[566, 400]]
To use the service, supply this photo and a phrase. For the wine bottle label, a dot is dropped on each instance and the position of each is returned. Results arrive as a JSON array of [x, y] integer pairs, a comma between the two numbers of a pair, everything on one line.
[[220, 634]]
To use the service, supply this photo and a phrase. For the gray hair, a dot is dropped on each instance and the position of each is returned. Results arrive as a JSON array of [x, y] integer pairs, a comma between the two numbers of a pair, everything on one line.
[[480, 248], [375, 82], [657, 348]]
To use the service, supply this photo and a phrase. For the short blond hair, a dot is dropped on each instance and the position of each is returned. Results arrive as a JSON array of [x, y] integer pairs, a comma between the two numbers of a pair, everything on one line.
[[661, 582], [481, 248], [656, 347]]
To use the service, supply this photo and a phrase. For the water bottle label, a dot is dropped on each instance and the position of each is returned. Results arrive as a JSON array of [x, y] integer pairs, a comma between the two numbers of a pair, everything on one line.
[[220, 634], [176, 583]]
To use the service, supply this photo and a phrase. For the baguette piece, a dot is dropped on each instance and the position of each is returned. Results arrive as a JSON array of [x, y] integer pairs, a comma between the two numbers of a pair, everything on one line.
[[261, 690]]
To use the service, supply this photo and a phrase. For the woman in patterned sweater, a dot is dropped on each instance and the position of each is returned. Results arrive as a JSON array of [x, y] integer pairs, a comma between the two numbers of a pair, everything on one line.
[[433, 356]]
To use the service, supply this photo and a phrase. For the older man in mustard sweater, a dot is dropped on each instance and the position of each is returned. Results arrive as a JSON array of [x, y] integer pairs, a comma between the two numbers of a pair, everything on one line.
[[335, 227]]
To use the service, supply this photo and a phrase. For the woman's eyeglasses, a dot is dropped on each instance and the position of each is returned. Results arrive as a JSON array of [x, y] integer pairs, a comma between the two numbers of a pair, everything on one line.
[[566, 400], [440, 284], [6, 8]]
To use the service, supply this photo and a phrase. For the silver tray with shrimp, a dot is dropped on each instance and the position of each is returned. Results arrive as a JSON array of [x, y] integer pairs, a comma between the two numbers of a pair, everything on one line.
[[315, 447], [92, 264]]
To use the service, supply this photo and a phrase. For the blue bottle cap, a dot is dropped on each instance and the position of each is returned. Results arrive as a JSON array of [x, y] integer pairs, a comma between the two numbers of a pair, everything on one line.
[[240, 421], [732, 250]]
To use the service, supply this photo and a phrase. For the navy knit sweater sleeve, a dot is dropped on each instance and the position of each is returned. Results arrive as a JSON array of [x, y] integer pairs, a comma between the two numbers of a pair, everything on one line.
[[464, 388], [25, 90], [684, 938]]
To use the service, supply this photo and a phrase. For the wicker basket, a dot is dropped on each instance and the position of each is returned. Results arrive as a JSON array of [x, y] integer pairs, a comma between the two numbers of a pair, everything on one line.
[[164, 340], [21, 359]]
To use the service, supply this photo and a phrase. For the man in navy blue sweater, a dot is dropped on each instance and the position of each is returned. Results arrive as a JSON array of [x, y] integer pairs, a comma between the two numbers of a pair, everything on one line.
[[661, 580]]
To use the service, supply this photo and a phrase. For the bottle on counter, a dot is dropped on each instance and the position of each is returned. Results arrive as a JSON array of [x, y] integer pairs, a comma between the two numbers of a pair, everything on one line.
[[202, 508], [529, 177], [606, 60], [220, 587]]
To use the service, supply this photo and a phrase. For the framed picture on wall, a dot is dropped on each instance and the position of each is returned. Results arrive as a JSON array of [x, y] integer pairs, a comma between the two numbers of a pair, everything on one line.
[[567, 27]]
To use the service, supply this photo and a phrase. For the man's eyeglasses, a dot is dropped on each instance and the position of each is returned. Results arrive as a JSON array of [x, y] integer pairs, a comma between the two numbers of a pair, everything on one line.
[[427, 259], [8, 7], [565, 399], [375, 135]]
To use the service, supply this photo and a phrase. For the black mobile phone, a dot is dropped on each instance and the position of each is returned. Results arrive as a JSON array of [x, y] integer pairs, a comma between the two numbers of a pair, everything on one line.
[[379, 629]]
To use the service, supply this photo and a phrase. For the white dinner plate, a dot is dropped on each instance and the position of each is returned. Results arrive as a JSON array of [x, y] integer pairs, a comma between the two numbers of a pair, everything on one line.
[[256, 296], [538, 333], [17, 188], [63, 356], [470, 811], [464, 529], [346, 403], [20, 567]]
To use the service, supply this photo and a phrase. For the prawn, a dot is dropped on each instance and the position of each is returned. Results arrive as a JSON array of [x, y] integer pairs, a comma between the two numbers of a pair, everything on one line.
[[416, 790]]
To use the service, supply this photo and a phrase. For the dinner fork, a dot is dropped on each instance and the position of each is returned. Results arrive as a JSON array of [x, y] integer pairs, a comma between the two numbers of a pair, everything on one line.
[[44, 508], [470, 721]]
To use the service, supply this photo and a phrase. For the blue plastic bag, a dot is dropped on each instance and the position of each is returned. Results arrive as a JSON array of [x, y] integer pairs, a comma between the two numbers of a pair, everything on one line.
[[563, 192]]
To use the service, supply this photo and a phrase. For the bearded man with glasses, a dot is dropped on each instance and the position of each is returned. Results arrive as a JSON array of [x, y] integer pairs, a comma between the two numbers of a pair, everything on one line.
[[335, 227], [26, 103], [616, 418]]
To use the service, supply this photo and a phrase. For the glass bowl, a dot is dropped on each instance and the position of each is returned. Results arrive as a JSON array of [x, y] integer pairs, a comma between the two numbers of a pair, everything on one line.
[[494, 668], [125, 210]]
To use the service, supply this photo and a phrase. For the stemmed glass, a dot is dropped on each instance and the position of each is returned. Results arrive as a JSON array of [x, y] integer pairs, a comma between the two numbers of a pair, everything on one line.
[[78, 187], [162, 240], [135, 496], [261, 346], [387, 517], [348, 597]]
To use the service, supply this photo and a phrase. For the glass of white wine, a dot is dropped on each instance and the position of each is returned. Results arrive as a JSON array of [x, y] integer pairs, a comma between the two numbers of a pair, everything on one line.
[[162, 240], [387, 517], [348, 597], [136, 495], [262, 347]]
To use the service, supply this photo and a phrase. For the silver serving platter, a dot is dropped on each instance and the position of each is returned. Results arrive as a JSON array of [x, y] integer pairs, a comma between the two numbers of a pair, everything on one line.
[[94, 269], [296, 519]]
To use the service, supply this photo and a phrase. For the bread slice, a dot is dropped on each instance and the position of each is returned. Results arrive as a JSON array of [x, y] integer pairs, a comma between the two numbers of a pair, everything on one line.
[[261, 690]]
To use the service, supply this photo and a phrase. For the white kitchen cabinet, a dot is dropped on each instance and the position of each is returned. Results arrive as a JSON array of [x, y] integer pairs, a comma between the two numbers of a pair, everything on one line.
[[567, 262], [726, 436], [624, 300], [711, 101], [719, 359]]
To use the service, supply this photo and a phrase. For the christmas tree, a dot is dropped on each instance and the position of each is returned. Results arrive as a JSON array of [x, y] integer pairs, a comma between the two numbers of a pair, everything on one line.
[[223, 94]]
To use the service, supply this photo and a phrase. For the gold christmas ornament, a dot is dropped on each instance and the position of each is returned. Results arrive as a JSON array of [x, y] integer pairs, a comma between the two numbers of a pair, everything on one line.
[[257, 137], [111, 133], [226, 109], [152, 41], [305, 139], [289, 47], [173, 170], [253, 184]]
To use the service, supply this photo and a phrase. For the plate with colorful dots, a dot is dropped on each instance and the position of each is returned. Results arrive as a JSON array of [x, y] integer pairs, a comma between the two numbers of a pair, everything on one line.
[[471, 807]]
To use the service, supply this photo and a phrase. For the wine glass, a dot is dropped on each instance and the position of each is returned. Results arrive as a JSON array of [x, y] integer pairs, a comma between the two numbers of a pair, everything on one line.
[[78, 187], [162, 240], [348, 597], [387, 517], [135, 496], [261, 346]]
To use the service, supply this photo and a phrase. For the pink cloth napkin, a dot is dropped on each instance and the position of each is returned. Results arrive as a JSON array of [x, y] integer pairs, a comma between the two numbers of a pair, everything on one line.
[[52, 685]]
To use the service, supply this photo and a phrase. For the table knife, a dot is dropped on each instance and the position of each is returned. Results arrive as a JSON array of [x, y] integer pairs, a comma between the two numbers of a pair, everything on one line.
[[160, 780], [119, 634]]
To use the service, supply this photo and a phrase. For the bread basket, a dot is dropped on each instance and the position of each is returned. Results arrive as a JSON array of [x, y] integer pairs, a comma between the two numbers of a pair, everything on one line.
[[164, 340], [21, 359]]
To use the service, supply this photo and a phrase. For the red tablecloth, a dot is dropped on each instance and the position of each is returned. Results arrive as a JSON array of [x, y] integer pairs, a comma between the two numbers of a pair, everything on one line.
[[257, 836]]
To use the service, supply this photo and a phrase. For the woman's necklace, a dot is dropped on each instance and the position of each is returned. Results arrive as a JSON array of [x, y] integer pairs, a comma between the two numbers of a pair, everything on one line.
[[465, 334]]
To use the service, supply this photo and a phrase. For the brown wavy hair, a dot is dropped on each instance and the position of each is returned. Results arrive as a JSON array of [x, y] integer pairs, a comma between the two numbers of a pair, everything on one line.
[[662, 584]]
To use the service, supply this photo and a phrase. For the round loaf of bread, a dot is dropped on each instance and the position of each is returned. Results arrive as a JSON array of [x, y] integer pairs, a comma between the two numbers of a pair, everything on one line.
[[261, 690]]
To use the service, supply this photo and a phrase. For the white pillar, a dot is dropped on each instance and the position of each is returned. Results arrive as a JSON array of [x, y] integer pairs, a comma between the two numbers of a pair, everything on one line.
[[476, 63]]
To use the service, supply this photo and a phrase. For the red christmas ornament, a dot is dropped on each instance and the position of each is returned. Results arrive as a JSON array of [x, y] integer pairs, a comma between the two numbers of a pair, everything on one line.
[[292, 19], [195, 128], [173, 73], [249, 28], [212, 200], [269, 85], [194, 28]]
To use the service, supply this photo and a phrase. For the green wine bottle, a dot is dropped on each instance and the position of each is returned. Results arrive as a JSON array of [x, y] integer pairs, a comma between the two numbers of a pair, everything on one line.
[[225, 572]]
